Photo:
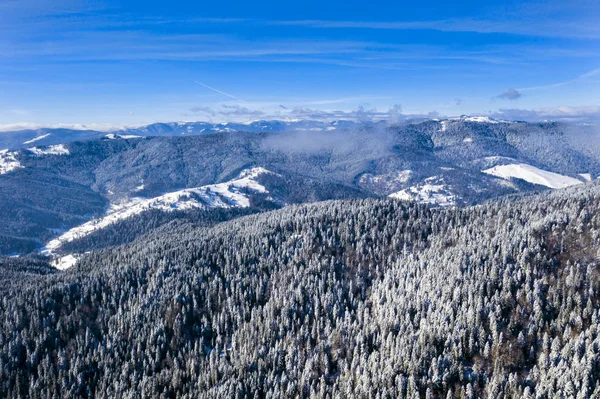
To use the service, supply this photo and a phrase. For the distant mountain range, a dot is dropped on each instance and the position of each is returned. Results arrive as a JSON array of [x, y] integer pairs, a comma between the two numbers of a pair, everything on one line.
[[60, 189], [49, 136]]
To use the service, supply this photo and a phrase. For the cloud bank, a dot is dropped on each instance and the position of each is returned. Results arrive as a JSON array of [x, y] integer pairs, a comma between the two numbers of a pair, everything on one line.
[[582, 114]]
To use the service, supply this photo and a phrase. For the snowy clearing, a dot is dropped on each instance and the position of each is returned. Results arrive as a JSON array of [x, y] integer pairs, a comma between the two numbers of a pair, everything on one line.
[[64, 262], [533, 175], [432, 191]]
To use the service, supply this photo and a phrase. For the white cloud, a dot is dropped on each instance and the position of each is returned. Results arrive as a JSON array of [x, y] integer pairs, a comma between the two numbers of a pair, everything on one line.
[[577, 28]]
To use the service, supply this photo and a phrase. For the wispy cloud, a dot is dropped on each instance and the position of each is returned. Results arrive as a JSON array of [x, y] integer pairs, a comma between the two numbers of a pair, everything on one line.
[[139, 45], [49, 47], [101, 37], [529, 27], [582, 77]]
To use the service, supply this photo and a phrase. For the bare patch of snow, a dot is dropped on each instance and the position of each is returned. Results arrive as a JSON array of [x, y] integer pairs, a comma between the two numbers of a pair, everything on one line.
[[533, 175]]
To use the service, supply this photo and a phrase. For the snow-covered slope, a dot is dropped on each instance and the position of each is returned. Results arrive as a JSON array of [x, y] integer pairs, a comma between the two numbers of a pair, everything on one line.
[[231, 194], [33, 140], [533, 175], [8, 162]]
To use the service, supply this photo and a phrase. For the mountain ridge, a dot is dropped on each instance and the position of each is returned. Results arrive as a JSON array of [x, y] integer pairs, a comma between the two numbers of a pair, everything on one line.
[[428, 161]]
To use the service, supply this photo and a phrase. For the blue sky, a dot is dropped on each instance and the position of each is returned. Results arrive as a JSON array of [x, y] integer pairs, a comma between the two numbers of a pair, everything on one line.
[[112, 63]]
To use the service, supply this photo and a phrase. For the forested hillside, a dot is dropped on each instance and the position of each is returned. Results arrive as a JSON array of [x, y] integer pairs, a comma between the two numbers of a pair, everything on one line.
[[356, 298]]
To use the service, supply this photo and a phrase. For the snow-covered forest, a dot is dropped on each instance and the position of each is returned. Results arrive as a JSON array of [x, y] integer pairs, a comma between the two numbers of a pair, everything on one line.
[[357, 298]]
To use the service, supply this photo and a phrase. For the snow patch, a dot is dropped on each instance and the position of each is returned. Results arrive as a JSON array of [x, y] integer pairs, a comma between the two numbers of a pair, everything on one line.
[[8, 162], [64, 262], [431, 191], [51, 150], [480, 119], [444, 126], [476, 119], [586, 176], [114, 136], [533, 175], [43, 136]]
